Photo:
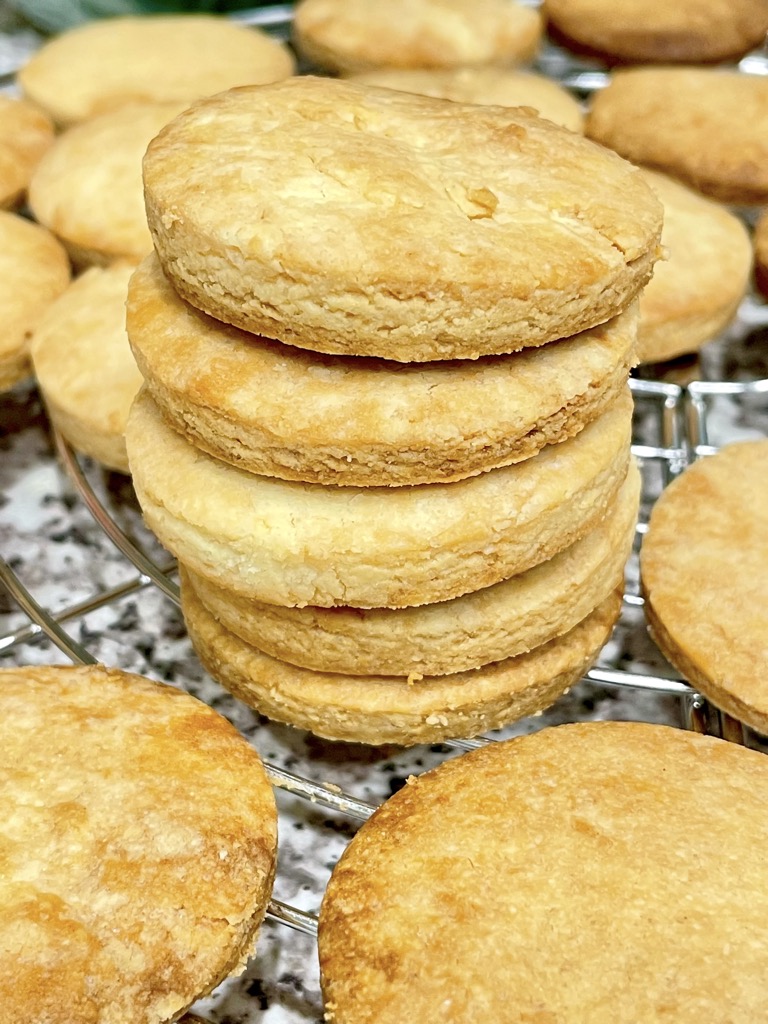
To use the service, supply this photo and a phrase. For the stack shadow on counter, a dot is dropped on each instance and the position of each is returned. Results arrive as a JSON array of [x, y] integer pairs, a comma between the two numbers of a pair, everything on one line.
[[385, 426]]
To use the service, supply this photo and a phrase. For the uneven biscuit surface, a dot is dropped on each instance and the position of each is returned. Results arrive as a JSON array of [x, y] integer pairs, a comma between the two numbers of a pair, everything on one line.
[[165, 58], [280, 411], [694, 294], [25, 134], [382, 709], [364, 221], [296, 544], [706, 126], [137, 845], [352, 35], [704, 566], [651, 835], [498, 622]]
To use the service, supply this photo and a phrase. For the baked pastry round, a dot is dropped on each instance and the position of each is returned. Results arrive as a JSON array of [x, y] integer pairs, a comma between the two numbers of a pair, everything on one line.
[[706, 126], [353, 35], [704, 566], [25, 134], [504, 87], [394, 225], [761, 253], [87, 188], [84, 366], [488, 625], [296, 544], [282, 411], [694, 294], [34, 270], [104, 64], [691, 31], [139, 842], [385, 709], [586, 872]]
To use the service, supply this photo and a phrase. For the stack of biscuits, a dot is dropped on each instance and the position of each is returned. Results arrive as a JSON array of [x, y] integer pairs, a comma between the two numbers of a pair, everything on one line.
[[385, 426]]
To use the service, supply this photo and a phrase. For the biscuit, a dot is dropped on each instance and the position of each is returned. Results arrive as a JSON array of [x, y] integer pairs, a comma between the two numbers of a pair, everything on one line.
[[84, 366], [502, 87], [34, 270], [280, 411], [488, 625], [704, 566], [355, 35], [106, 64], [590, 872], [692, 31], [761, 253], [694, 294], [25, 134], [394, 225], [384, 709], [706, 126], [138, 847], [87, 188], [296, 544]]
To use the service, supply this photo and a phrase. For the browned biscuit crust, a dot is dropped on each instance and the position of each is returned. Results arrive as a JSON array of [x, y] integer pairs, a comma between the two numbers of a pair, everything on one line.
[[354, 35], [394, 225], [592, 872], [280, 411], [383, 709], [704, 566], [706, 126], [138, 847]]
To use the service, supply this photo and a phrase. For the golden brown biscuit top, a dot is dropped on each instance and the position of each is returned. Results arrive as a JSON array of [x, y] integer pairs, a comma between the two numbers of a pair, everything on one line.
[[137, 843], [590, 872], [163, 58], [371, 187], [25, 134], [358, 34]]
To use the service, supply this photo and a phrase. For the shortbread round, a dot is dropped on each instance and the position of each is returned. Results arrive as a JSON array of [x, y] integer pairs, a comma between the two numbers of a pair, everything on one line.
[[282, 411], [383, 709], [34, 270], [502, 87], [297, 544], [106, 64], [488, 625], [138, 847], [590, 872], [704, 565], [87, 188], [354, 35], [364, 221], [761, 253], [706, 126], [25, 134], [694, 294], [691, 31], [84, 366]]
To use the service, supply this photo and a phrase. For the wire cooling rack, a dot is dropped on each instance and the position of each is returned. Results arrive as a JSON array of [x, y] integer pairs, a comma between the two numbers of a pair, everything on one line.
[[87, 582]]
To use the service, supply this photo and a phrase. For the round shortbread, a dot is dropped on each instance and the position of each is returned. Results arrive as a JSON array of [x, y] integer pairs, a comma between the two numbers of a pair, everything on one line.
[[138, 847], [297, 544], [108, 63], [34, 270], [383, 709], [488, 625], [593, 872], [694, 294], [87, 188], [761, 253], [84, 366], [354, 35], [282, 411], [706, 126], [502, 87], [687, 31], [364, 221], [25, 134], [704, 566]]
